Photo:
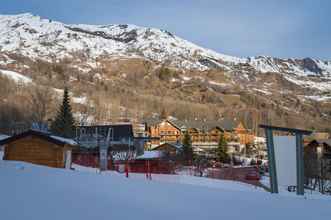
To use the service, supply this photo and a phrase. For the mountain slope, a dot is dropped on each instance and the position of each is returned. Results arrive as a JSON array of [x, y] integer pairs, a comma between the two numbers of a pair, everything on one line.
[[143, 64], [36, 37]]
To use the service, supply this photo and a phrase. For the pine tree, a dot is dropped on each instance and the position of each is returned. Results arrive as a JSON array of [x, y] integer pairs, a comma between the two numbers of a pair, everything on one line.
[[187, 148], [64, 123], [221, 151]]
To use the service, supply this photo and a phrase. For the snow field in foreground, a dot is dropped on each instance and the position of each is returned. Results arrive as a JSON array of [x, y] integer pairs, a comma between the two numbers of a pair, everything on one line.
[[34, 192]]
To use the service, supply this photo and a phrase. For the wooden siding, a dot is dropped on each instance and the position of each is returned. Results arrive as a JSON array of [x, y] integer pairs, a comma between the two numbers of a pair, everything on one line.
[[168, 149], [245, 137], [166, 132], [35, 150]]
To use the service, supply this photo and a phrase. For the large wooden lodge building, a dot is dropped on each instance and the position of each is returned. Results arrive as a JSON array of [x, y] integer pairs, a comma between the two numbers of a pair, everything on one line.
[[204, 135]]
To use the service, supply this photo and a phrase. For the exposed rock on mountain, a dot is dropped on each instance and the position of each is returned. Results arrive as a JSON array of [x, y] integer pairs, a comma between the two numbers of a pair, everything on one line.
[[149, 65]]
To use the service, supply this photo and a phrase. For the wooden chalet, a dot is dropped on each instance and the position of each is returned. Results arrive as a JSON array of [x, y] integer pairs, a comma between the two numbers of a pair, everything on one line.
[[317, 156], [164, 131], [170, 150], [39, 148], [152, 162], [244, 135], [205, 135]]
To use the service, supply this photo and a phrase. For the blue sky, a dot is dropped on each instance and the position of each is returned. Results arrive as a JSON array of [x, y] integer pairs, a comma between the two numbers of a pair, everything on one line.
[[282, 28]]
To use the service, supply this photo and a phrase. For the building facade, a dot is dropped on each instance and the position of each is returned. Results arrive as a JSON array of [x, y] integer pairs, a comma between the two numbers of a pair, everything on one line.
[[204, 135], [39, 148]]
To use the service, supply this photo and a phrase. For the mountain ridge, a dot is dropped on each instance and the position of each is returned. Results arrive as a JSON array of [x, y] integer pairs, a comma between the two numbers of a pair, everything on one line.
[[24, 30], [145, 64]]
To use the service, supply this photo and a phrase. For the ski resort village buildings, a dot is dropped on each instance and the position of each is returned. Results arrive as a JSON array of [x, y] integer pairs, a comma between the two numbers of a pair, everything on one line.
[[122, 142], [318, 158], [39, 148], [204, 135], [118, 139]]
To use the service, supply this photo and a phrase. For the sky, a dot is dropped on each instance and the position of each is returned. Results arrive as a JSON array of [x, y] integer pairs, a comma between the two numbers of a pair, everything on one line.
[[279, 28]]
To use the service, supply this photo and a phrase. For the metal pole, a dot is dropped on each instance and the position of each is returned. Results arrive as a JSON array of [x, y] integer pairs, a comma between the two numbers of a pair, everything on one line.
[[300, 165], [272, 162]]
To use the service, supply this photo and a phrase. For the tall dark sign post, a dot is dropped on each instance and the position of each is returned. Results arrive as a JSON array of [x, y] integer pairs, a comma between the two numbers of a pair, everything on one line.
[[103, 151], [299, 156], [100, 137]]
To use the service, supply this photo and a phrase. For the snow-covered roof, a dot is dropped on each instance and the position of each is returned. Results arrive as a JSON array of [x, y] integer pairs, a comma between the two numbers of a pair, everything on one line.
[[150, 155], [65, 140], [45, 135], [178, 146], [259, 139], [3, 136]]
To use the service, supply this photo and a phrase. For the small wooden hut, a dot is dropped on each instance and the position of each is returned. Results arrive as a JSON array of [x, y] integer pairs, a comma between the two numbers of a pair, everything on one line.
[[170, 150], [39, 148]]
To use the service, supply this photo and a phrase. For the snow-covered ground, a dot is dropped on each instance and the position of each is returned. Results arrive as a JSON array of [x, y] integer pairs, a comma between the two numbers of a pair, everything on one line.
[[34, 192], [17, 77], [284, 190], [182, 179]]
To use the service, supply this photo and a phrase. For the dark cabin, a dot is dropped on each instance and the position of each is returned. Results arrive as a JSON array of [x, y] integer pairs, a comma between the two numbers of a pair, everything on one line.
[[170, 150], [118, 138]]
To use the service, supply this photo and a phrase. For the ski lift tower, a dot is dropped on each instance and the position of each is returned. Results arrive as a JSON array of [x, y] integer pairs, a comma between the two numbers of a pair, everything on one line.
[[96, 137], [103, 150]]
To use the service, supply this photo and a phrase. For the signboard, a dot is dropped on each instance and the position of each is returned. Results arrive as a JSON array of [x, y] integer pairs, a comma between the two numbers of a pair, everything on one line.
[[286, 162]]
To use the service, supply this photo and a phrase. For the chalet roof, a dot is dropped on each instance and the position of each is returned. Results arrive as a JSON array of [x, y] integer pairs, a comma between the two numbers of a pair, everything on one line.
[[46, 136], [152, 121], [177, 123], [225, 124], [204, 125], [120, 131], [150, 155], [322, 141], [3, 136], [178, 146], [228, 124]]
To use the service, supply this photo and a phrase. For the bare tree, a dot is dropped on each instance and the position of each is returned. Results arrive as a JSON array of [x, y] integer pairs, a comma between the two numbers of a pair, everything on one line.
[[41, 100]]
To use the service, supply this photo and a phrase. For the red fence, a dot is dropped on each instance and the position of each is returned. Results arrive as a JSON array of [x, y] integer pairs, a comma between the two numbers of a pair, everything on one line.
[[136, 166], [153, 166], [86, 160], [243, 174]]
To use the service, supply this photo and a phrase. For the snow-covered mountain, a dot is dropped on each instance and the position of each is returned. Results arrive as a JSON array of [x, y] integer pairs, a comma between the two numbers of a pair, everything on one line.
[[42, 38], [131, 59], [35, 37]]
